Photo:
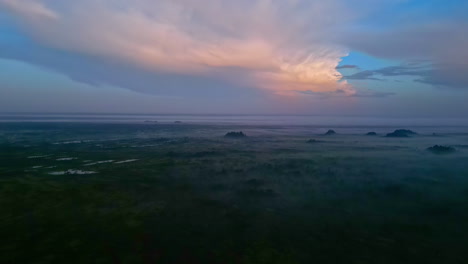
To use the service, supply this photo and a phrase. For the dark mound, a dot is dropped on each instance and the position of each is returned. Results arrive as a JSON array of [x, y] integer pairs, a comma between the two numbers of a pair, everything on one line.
[[401, 133], [371, 134], [235, 135], [441, 149], [313, 141], [330, 132]]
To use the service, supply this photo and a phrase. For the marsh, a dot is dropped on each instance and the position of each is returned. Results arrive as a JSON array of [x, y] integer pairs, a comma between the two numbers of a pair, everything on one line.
[[183, 193], [234, 132]]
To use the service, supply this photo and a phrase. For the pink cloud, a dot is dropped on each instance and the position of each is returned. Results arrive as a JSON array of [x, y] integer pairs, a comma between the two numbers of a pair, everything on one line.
[[276, 45]]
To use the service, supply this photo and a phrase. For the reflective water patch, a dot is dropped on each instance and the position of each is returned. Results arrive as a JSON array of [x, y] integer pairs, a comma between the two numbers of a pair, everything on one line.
[[72, 172]]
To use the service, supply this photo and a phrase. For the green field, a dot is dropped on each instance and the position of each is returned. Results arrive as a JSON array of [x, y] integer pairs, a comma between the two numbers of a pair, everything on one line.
[[179, 193]]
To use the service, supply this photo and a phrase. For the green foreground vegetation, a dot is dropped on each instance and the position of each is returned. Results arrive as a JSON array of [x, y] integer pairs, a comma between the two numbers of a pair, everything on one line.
[[89, 193]]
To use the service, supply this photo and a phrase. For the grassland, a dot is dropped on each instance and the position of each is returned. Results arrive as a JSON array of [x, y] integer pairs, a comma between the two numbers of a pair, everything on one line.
[[179, 193]]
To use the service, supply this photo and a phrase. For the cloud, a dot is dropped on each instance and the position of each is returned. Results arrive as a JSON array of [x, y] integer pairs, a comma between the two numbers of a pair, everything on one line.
[[280, 46], [373, 94], [363, 75], [98, 72], [404, 70], [347, 67], [33, 10], [344, 93], [441, 43], [415, 69]]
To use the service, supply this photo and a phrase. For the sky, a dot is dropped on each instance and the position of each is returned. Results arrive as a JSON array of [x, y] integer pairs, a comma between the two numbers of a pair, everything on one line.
[[379, 58]]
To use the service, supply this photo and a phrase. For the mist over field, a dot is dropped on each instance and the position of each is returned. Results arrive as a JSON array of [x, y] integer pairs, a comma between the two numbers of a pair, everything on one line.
[[176, 191], [234, 131]]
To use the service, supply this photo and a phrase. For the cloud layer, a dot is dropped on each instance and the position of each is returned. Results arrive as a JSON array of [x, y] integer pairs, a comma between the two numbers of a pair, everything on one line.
[[441, 43], [283, 46]]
